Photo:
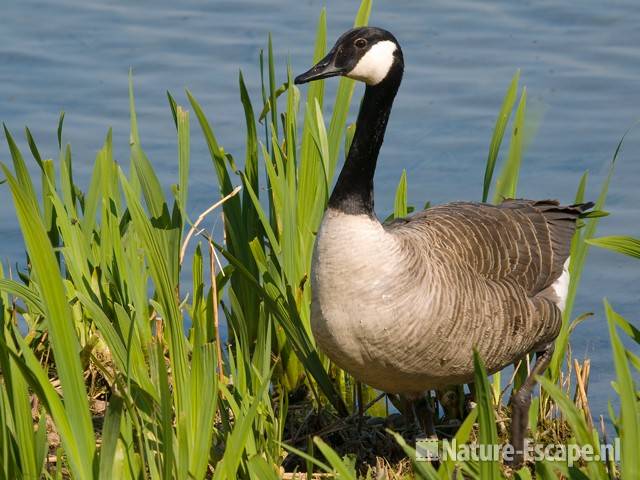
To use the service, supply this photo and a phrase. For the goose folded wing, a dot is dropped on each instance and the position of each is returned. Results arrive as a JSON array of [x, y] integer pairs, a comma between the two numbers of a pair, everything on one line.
[[522, 241]]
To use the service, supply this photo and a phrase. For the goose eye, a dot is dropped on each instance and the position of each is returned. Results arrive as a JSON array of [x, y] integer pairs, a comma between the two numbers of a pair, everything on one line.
[[360, 43]]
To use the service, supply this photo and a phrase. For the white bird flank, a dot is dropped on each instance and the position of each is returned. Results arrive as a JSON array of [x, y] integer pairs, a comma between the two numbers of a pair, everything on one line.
[[561, 286], [374, 66]]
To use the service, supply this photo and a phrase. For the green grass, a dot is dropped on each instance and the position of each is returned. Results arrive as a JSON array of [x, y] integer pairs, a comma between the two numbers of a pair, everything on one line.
[[100, 379]]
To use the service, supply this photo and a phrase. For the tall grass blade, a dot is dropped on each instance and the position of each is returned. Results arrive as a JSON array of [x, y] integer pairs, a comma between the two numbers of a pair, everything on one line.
[[618, 243], [33, 147], [629, 422], [486, 416], [182, 122], [31, 298], [203, 407], [66, 425], [110, 434], [60, 125], [577, 422], [507, 182], [259, 469], [498, 133], [343, 98], [312, 195], [166, 287], [343, 470], [424, 470], [579, 254], [272, 88], [237, 440], [447, 467], [91, 202], [579, 250], [400, 203], [20, 426], [22, 173], [63, 338]]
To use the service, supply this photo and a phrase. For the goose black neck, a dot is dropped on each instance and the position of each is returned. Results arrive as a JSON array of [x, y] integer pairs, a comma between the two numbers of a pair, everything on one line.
[[353, 193]]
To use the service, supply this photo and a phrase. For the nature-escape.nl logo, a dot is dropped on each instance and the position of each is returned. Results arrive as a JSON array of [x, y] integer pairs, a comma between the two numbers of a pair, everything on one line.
[[428, 449]]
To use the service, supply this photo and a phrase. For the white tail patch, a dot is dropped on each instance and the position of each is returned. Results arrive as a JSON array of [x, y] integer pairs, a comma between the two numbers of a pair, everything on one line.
[[375, 64], [561, 286]]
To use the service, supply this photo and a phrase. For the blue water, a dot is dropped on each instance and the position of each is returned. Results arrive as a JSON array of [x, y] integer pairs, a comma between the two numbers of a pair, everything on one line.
[[581, 66]]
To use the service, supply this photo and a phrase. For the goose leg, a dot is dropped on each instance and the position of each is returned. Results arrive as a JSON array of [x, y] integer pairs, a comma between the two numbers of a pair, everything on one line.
[[424, 413], [406, 408], [520, 403]]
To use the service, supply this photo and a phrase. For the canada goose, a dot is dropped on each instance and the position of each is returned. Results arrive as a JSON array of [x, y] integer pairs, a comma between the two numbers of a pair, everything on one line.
[[402, 305]]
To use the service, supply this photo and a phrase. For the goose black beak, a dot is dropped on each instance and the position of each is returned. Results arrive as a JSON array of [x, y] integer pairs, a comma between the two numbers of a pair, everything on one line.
[[325, 68]]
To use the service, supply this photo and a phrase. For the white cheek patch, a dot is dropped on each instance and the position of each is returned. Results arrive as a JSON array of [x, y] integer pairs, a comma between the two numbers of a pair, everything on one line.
[[376, 63]]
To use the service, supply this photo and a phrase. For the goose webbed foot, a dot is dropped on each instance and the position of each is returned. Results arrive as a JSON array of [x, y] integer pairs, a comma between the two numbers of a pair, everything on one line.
[[520, 403]]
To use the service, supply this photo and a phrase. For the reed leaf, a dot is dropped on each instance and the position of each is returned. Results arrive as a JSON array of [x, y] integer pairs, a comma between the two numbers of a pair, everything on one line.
[[19, 424], [110, 432], [447, 468], [628, 424], [424, 470], [343, 98], [486, 416], [80, 446], [400, 203], [618, 243], [156, 254], [184, 158], [575, 419], [343, 470], [498, 133], [23, 178], [507, 182], [578, 256]]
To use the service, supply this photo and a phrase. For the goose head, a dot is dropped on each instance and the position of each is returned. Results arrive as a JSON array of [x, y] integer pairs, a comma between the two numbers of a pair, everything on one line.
[[368, 54]]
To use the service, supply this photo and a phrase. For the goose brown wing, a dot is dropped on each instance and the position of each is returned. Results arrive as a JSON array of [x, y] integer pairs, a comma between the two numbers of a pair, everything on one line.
[[522, 241]]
